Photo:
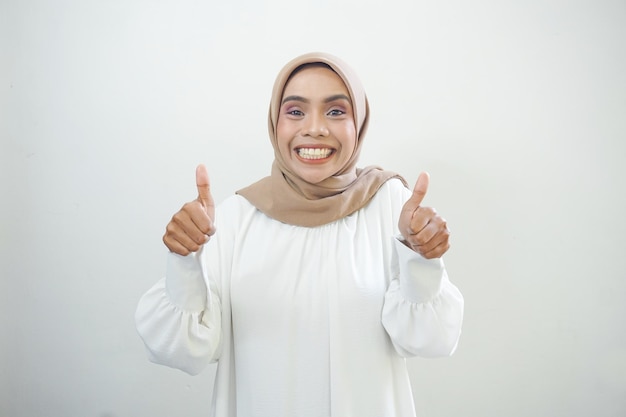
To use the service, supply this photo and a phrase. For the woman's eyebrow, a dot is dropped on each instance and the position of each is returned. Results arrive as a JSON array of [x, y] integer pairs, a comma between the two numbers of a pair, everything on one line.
[[337, 97], [326, 100], [295, 98]]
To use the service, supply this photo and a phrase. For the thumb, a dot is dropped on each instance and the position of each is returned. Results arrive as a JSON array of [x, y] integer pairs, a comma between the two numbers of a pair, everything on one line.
[[419, 191], [204, 187]]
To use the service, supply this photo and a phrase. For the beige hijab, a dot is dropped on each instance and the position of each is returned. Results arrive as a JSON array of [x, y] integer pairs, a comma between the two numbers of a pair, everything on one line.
[[286, 197]]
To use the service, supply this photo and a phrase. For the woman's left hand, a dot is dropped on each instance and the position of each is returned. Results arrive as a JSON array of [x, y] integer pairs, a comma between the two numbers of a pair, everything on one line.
[[424, 231]]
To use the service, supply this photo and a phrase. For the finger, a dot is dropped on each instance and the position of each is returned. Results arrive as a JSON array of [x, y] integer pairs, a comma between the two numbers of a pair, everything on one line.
[[407, 223], [174, 231], [438, 251], [193, 221], [175, 247], [204, 187], [420, 218], [429, 238], [180, 245], [419, 191], [425, 234]]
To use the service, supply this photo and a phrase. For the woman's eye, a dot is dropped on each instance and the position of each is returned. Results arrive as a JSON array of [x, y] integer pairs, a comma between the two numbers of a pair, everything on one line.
[[295, 112], [336, 112]]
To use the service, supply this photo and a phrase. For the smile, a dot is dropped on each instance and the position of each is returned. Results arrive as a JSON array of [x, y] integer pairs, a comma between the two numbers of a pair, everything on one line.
[[314, 153]]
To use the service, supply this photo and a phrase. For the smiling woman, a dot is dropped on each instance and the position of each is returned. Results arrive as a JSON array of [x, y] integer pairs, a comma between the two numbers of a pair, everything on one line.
[[315, 134], [315, 283]]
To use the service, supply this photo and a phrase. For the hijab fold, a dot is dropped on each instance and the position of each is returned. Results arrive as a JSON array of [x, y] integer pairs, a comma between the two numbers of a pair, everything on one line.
[[286, 197]]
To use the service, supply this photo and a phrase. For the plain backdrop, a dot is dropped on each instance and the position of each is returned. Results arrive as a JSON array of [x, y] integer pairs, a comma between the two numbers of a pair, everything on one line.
[[516, 108]]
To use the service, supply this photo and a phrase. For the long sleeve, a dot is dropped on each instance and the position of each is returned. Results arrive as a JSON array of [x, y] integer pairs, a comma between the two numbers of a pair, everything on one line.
[[179, 319], [423, 310]]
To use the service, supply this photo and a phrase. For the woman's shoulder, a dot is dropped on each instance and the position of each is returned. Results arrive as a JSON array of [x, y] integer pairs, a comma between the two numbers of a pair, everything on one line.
[[233, 208], [235, 202], [394, 189], [389, 198]]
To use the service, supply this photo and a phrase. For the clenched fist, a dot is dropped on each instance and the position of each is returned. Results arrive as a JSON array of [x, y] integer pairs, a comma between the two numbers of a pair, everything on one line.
[[422, 228], [193, 225]]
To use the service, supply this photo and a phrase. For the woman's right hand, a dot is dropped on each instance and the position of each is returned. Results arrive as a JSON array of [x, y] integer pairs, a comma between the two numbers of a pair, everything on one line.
[[193, 225]]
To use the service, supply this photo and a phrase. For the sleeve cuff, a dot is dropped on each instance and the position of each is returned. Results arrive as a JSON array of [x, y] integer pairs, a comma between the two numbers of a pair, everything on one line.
[[184, 281], [420, 278]]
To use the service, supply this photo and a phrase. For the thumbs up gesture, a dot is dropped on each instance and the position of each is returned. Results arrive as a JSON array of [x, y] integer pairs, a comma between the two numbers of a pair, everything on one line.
[[192, 226], [423, 230]]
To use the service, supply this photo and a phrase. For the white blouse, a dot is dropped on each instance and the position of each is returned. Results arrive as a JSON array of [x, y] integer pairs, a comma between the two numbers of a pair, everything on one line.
[[305, 322]]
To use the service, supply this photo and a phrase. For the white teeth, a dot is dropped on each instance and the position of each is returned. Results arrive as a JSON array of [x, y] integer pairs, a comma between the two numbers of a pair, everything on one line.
[[314, 153]]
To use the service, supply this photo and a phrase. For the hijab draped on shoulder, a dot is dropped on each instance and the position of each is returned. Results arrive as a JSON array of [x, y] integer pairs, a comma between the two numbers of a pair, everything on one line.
[[286, 197]]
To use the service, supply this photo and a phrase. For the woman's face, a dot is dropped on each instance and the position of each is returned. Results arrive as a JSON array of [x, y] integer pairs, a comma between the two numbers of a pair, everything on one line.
[[315, 132]]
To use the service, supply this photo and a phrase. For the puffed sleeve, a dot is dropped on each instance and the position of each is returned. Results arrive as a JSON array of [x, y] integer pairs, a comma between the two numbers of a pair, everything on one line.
[[422, 310], [179, 318]]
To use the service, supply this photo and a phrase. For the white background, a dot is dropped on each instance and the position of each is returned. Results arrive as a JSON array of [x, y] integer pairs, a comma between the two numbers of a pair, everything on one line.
[[516, 108]]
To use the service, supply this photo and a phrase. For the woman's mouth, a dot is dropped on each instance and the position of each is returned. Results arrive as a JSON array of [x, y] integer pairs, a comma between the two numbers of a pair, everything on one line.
[[314, 153]]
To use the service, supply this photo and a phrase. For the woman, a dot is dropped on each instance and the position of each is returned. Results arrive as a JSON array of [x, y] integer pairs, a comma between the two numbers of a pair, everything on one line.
[[318, 280]]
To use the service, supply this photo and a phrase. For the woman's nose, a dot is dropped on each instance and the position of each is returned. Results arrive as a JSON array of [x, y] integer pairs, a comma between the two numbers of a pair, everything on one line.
[[316, 125]]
